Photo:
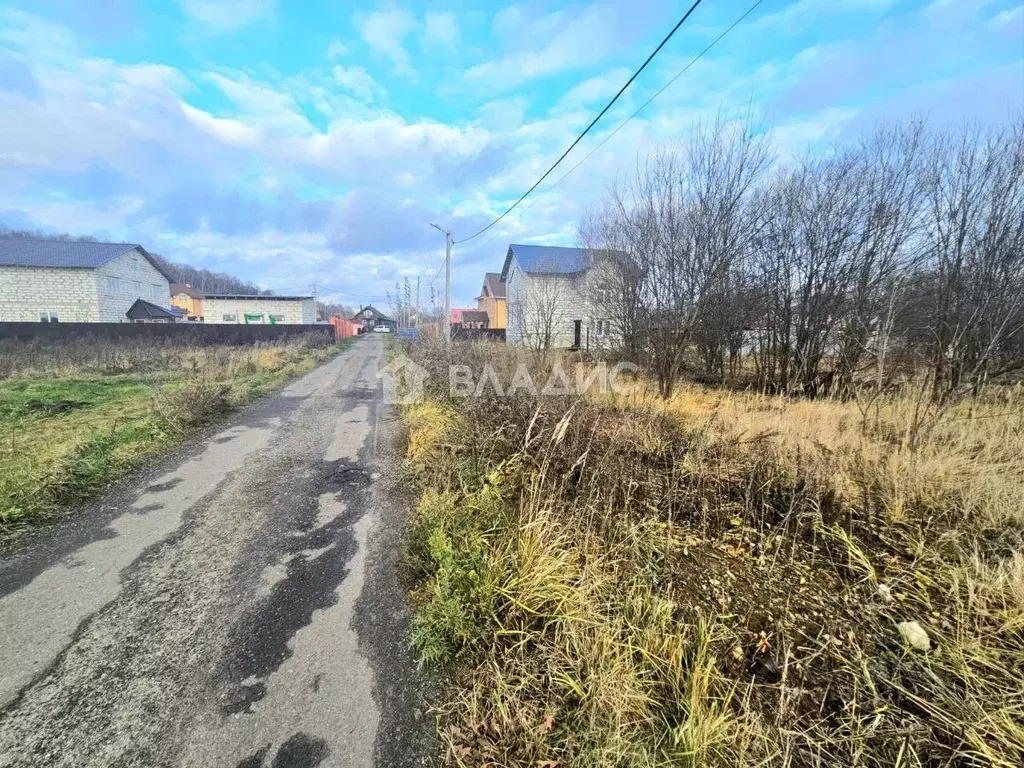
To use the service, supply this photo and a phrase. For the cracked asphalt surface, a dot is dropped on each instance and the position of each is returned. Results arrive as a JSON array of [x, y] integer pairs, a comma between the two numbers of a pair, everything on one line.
[[236, 604]]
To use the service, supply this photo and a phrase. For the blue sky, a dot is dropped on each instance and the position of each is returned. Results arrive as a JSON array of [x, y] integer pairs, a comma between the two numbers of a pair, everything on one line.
[[290, 143]]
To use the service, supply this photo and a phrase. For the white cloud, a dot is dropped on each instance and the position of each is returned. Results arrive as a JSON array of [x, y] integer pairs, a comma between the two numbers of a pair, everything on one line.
[[223, 129], [599, 88], [262, 104], [301, 250], [336, 50], [795, 138], [1011, 17], [153, 77], [357, 81], [385, 32], [806, 13], [571, 44], [442, 29], [226, 15], [354, 148], [44, 39]]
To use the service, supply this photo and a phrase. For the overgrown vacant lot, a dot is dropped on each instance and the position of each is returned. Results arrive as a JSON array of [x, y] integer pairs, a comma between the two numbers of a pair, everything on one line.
[[720, 578], [74, 416]]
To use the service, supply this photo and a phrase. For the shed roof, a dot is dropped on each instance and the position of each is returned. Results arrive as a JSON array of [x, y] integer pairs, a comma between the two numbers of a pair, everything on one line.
[[147, 310], [21, 251], [474, 316]]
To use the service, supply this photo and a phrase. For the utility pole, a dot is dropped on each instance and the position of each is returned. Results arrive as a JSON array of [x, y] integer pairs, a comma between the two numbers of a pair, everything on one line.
[[447, 283]]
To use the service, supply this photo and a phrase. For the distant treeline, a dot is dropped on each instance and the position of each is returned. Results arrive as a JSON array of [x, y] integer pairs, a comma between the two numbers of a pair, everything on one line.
[[207, 281]]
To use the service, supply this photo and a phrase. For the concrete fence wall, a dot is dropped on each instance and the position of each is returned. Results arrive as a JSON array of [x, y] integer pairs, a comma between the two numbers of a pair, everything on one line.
[[184, 333]]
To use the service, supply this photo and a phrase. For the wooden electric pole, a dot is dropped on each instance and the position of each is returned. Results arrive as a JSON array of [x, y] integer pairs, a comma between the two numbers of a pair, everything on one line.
[[447, 282]]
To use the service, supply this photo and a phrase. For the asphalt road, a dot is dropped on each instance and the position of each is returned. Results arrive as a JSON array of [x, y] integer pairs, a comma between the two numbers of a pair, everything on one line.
[[237, 604]]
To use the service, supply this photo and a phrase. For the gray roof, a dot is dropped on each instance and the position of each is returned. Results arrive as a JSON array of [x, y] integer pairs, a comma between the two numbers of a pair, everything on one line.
[[555, 260], [495, 287], [19, 251], [546, 259]]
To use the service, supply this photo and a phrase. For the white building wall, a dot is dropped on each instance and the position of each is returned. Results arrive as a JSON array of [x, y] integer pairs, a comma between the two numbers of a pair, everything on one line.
[[534, 301], [122, 281], [25, 292], [291, 312], [597, 289], [515, 295], [542, 304]]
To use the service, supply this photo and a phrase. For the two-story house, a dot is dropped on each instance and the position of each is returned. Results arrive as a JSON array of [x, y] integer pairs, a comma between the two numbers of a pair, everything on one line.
[[369, 318], [184, 296], [558, 297], [74, 281], [492, 300]]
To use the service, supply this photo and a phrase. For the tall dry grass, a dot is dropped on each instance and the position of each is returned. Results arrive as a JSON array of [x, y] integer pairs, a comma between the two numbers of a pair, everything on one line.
[[719, 579]]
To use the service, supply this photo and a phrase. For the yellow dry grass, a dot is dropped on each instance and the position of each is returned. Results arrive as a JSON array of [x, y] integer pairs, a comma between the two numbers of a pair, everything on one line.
[[427, 423], [615, 590], [974, 455]]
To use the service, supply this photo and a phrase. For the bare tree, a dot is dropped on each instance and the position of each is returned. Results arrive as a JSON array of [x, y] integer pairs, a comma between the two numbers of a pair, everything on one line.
[[845, 270], [974, 185], [884, 253], [613, 287], [682, 220], [539, 316]]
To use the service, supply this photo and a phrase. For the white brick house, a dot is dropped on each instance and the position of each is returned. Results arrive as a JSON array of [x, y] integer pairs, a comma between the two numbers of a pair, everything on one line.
[[81, 282], [268, 310], [555, 298]]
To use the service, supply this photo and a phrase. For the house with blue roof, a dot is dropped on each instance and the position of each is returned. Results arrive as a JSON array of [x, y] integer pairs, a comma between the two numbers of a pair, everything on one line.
[[80, 282], [558, 297]]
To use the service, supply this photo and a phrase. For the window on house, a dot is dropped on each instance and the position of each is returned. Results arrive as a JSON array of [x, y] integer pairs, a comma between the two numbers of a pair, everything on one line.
[[602, 328], [113, 284], [230, 317], [277, 318], [48, 317]]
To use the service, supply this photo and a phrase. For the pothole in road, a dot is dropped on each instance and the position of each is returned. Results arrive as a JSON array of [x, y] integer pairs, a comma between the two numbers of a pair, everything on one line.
[[350, 476]]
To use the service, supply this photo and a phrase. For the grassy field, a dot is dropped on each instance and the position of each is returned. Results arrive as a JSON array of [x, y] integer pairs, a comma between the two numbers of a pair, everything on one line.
[[722, 578], [75, 417]]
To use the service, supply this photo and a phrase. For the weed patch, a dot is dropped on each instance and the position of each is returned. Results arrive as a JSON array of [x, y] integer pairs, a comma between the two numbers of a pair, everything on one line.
[[63, 439], [718, 579]]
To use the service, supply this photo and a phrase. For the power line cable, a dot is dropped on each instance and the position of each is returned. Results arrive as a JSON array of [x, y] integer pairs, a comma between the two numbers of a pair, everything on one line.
[[592, 122], [661, 90], [642, 107]]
